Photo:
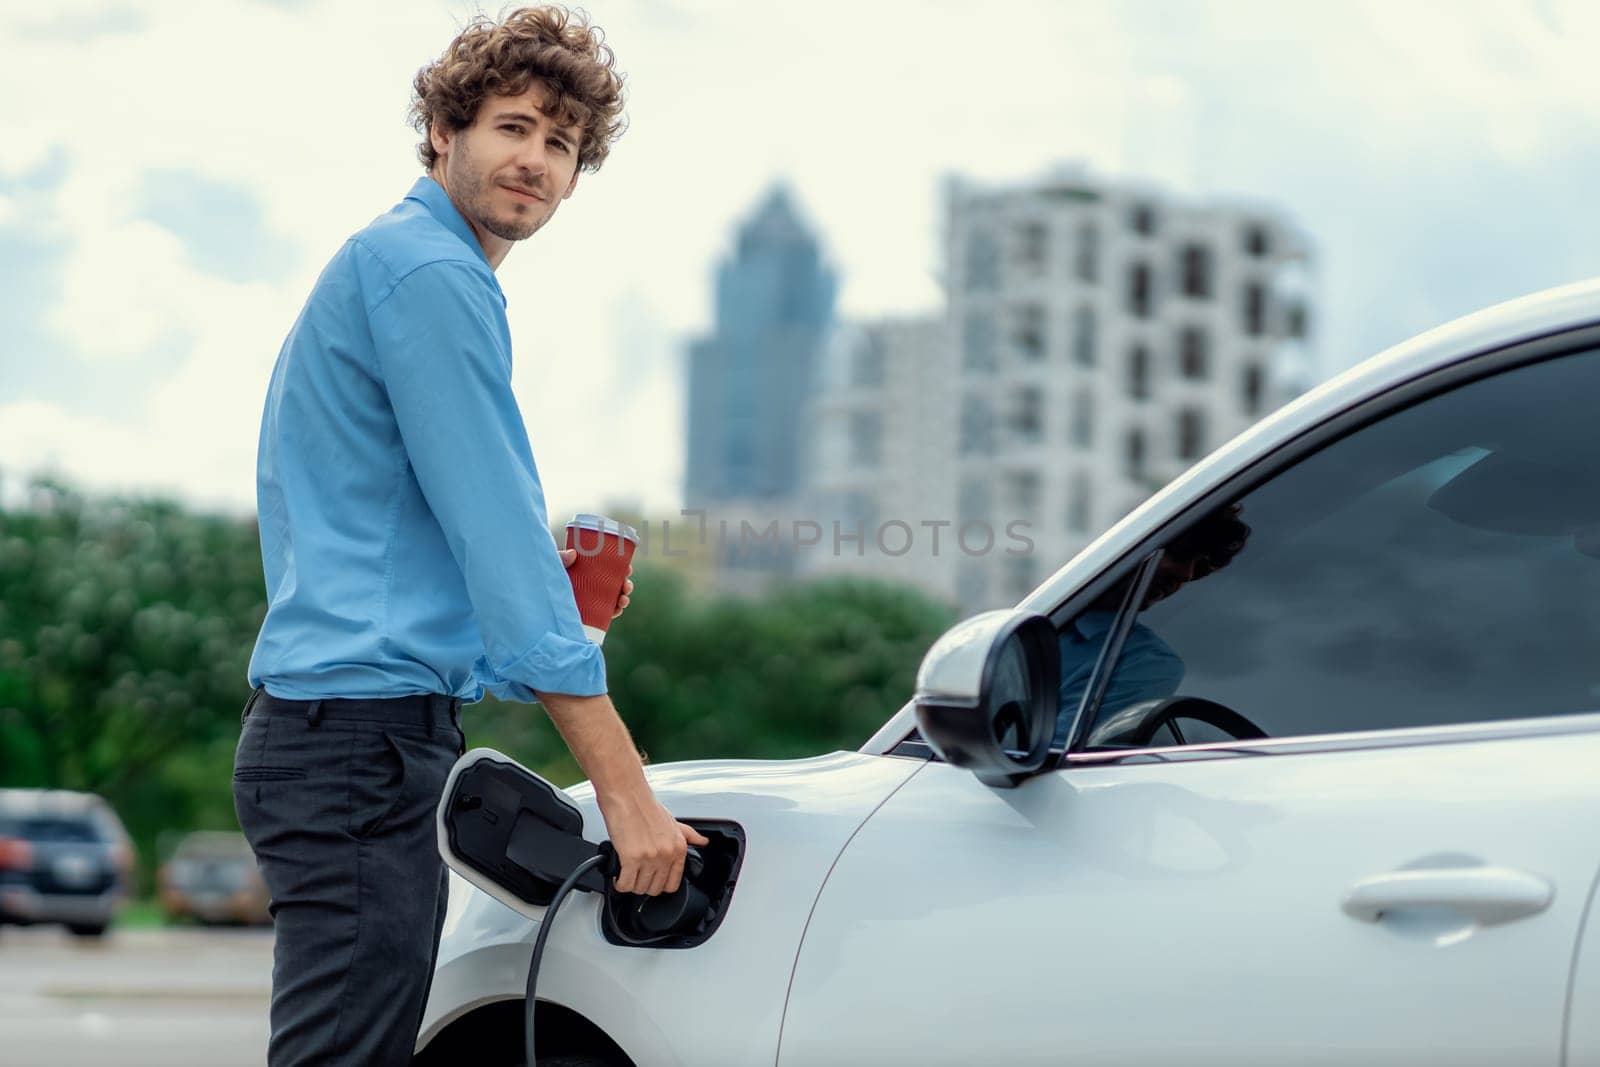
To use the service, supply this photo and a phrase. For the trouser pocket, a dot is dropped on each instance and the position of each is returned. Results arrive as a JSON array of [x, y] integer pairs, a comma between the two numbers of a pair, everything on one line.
[[283, 778], [268, 774], [398, 788]]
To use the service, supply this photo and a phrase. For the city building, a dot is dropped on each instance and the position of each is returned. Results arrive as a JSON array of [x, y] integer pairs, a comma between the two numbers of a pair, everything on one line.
[[749, 377], [878, 464], [1099, 338]]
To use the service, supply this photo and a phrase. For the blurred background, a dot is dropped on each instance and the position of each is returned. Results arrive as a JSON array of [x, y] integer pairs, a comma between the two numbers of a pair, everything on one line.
[[871, 321]]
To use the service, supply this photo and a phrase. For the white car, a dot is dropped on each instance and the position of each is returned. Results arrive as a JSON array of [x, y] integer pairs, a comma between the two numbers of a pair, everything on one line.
[[1298, 763]]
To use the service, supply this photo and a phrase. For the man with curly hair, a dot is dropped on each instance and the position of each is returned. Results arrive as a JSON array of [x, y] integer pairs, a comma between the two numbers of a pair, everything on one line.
[[407, 551]]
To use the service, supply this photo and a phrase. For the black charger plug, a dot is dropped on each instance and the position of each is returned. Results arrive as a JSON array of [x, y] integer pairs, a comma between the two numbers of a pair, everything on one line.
[[643, 919]]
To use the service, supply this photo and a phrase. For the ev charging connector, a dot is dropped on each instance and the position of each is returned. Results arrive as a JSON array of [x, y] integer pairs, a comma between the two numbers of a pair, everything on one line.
[[511, 833], [520, 839]]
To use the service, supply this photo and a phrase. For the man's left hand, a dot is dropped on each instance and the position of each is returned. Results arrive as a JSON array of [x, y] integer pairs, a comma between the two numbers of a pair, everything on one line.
[[569, 556]]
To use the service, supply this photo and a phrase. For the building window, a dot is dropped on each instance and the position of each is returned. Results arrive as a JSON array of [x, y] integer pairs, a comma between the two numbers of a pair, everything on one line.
[[983, 262], [1033, 247], [852, 507], [1140, 284], [1083, 418], [1142, 220], [1194, 356], [866, 364], [866, 438], [1254, 388], [1139, 371], [1133, 454], [1294, 321], [1083, 331], [1086, 254], [1194, 271], [1078, 494], [976, 434], [973, 500], [1191, 434], [1023, 492], [1255, 309], [1027, 415], [977, 342], [1027, 334], [1256, 241]]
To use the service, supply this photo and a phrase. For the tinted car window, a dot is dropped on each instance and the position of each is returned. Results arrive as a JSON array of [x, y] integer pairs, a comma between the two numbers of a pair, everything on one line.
[[1440, 566], [59, 830]]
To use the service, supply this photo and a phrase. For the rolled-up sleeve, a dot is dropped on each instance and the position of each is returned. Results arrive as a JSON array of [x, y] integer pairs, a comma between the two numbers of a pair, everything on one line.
[[444, 354]]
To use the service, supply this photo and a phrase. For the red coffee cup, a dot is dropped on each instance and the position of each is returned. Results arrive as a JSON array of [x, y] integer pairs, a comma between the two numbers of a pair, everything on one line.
[[605, 551]]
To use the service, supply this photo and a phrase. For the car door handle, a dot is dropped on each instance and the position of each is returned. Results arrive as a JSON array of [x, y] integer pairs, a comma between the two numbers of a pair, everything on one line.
[[1488, 894]]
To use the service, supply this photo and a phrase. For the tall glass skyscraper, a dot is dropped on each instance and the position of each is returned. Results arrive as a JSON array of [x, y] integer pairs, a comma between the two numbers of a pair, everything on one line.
[[749, 381]]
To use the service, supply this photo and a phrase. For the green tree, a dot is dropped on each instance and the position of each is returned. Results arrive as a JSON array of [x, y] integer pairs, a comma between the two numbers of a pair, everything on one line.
[[809, 669], [126, 628]]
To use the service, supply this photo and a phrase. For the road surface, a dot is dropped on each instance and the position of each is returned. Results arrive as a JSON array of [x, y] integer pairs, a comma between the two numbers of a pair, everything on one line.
[[169, 997]]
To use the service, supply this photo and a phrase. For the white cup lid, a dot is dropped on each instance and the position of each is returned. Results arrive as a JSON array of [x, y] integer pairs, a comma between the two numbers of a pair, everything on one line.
[[604, 525]]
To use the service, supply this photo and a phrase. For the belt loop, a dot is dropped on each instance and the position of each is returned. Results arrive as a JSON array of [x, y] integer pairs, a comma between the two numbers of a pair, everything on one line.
[[429, 704], [314, 713], [455, 712], [249, 705]]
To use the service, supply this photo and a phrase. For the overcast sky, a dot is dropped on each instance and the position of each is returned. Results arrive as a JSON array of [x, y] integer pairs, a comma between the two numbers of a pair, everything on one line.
[[173, 177]]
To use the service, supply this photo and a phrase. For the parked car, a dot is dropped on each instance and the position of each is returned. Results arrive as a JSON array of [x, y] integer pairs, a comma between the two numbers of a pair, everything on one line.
[[212, 878], [64, 858], [1297, 763]]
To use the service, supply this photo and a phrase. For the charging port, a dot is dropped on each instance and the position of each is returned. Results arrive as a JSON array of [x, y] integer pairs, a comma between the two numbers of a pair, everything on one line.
[[715, 880]]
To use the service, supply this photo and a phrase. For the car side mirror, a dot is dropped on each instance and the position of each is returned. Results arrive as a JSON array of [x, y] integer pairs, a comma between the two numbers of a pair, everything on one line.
[[987, 695]]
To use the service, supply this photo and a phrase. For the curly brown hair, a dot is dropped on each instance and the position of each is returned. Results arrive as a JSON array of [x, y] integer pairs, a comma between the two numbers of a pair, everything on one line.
[[548, 45]]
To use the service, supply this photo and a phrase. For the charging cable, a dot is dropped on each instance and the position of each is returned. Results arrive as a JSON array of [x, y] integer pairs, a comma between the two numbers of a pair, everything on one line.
[[544, 933], [659, 915], [514, 835]]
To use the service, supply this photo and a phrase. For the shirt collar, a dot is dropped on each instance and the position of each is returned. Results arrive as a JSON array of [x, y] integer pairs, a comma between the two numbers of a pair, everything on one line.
[[431, 195]]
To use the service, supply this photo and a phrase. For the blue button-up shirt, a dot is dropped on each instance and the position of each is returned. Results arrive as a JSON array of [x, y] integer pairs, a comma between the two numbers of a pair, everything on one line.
[[403, 526]]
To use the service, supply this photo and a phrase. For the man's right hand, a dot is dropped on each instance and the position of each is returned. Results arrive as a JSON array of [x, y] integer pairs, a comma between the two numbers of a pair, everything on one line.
[[650, 845]]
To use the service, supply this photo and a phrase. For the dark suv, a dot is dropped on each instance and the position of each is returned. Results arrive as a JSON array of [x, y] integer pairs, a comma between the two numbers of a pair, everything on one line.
[[64, 858]]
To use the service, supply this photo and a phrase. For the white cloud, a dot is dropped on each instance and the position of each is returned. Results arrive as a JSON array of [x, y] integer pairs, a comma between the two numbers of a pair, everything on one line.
[[864, 116], [194, 434], [36, 436], [124, 289]]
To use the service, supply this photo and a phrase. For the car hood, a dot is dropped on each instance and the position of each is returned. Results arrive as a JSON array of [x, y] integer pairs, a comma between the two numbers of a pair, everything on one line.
[[838, 783], [796, 817]]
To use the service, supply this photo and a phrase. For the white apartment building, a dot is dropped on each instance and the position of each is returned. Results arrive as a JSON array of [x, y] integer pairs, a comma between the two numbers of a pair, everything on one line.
[[880, 454], [1100, 337]]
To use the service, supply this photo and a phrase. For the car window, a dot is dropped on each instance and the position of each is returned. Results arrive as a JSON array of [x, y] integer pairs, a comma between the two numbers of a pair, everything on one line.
[[1439, 566], [58, 830]]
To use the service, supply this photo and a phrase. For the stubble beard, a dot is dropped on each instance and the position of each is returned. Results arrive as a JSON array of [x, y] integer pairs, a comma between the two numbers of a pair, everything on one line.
[[472, 191], [506, 229]]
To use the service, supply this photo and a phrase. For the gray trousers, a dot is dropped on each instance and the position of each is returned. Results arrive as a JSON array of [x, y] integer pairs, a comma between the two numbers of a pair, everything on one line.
[[337, 799]]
